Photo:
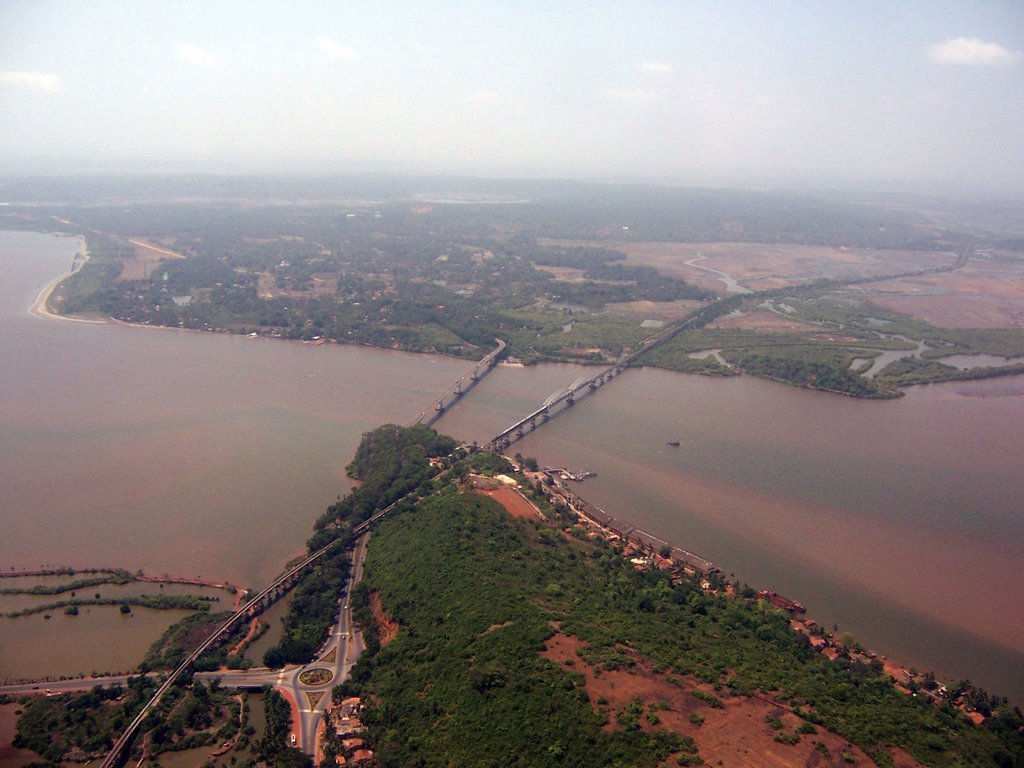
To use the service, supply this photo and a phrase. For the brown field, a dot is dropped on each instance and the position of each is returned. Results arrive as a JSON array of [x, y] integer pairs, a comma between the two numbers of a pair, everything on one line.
[[984, 294], [323, 285], [511, 500], [758, 266], [566, 274], [736, 735], [147, 258], [387, 628]]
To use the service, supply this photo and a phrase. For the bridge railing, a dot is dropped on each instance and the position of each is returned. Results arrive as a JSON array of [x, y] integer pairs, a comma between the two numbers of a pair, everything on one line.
[[462, 385], [117, 753]]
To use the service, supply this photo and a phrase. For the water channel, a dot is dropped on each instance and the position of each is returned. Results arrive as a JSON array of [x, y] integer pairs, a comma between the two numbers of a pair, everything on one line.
[[209, 455]]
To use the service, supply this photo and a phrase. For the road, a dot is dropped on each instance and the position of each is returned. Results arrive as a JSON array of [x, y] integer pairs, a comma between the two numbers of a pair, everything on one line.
[[78, 685], [338, 655]]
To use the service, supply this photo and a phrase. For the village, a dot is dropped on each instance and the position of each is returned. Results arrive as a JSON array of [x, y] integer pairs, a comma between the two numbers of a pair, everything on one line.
[[344, 726], [647, 552], [348, 733]]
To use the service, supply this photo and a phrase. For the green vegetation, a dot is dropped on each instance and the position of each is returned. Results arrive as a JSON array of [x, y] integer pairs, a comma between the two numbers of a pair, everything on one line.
[[390, 463], [183, 637], [112, 577], [156, 602], [825, 357], [451, 278], [546, 336], [912, 371], [312, 609], [272, 748], [439, 283], [815, 367], [437, 278], [810, 360], [82, 727], [451, 692], [63, 727]]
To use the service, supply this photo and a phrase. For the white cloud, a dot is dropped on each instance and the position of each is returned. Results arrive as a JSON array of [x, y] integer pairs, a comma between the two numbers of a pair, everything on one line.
[[972, 52], [37, 81], [336, 50], [634, 95], [482, 97], [193, 54], [654, 68]]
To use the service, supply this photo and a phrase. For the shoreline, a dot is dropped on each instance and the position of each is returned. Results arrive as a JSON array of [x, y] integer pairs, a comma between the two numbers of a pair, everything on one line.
[[39, 308], [642, 549]]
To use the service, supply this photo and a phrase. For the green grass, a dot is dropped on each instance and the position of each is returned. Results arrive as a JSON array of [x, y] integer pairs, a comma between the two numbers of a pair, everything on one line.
[[544, 337], [451, 693]]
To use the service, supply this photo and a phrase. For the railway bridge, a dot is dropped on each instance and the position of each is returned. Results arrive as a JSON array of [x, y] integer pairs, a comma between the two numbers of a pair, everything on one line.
[[119, 752], [462, 385]]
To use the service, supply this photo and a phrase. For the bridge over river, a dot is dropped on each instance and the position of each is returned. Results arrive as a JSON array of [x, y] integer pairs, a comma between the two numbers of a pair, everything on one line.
[[556, 403], [255, 604], [463, 385]]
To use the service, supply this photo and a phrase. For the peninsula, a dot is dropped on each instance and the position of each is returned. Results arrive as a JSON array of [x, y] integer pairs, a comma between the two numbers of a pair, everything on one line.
[[547, 635]]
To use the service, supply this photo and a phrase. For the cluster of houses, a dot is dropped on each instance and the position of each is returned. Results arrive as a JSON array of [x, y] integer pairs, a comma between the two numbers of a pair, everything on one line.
[[906, 681], [643, 550], [345, 719], [646, 552]]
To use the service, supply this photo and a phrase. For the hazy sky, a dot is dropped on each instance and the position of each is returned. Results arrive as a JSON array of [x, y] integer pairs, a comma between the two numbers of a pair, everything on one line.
[[698, 92]]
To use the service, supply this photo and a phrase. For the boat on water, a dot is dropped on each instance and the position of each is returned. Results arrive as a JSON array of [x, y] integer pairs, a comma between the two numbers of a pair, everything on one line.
[[673, 443]]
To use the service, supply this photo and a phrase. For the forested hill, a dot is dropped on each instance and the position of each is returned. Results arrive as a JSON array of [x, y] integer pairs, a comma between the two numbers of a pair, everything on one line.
[[657, 673]]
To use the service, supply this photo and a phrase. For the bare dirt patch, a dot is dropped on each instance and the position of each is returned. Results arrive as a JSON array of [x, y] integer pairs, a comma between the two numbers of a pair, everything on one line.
[[984, 294], [653, 310], [566, 274], [512, 501], [147, 258], [737, 734], [387, 628], [759, 266]]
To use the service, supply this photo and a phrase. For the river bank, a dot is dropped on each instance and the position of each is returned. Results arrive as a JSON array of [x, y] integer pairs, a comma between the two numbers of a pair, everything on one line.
[[206, 454], [40, 307], [646, 552]]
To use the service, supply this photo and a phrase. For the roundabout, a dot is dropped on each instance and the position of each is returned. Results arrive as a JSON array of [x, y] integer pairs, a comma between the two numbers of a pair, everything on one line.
[[317, 676]]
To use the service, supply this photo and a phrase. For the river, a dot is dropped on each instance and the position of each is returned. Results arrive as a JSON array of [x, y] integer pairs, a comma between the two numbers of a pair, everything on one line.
[[209, 455]]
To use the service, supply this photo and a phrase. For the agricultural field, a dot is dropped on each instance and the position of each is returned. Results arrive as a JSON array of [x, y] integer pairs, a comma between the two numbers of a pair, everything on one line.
[[987, 293], [740, 267]]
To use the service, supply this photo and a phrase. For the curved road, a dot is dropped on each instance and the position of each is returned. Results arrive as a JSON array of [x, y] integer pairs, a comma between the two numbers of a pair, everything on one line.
[[338, 655], [341, 651]]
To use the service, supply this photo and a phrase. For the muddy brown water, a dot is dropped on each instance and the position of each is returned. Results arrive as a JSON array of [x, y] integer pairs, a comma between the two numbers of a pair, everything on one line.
[[210, 455]]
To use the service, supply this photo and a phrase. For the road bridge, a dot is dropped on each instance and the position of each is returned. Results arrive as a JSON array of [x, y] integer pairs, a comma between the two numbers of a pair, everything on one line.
[[464, 384], [557, 403], [562, 400], [120, 749]]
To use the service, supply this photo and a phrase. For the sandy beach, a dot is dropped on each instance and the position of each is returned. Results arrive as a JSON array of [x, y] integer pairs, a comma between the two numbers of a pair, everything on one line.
[[39, 308]]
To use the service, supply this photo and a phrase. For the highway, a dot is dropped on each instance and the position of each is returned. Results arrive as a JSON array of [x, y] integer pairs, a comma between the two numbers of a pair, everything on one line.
[[121, 745], [338, 655]]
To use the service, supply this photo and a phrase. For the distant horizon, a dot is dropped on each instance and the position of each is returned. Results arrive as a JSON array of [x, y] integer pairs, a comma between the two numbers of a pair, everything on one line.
[[919, 96], [139, 169]]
